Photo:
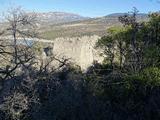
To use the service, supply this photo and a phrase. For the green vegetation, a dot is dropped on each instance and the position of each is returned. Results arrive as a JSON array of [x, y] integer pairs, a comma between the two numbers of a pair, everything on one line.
[[130, 79], [125, 87], [51, 35]]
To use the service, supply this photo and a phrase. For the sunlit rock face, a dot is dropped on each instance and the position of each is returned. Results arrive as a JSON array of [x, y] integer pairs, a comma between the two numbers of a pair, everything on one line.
[[79, 50]]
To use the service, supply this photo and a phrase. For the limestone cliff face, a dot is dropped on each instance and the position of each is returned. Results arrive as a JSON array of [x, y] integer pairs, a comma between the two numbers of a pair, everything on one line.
[[80, 50]]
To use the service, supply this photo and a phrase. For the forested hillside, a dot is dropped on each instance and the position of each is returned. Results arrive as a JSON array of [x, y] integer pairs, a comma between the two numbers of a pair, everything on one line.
[[126, 86]]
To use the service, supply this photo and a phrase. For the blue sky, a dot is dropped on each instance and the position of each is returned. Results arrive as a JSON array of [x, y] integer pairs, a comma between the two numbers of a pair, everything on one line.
[[91, 8]]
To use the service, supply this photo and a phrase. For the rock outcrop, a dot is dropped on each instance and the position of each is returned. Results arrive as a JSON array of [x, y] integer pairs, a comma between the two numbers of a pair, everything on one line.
[[80, 50]]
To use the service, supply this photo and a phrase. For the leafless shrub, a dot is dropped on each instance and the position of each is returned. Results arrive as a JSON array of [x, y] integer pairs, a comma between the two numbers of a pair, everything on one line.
[[15, 105], [21, 26]]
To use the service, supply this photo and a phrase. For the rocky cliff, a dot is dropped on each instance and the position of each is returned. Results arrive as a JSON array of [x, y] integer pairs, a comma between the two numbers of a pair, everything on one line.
[[80, 50]]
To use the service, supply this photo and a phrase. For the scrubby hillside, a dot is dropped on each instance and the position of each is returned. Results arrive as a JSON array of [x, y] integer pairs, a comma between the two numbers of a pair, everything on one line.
[[125, 86], [92, 26]]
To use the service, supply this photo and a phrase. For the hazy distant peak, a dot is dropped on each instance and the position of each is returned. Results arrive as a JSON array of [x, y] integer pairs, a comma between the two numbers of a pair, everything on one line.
[[121, 14], [59, 17]]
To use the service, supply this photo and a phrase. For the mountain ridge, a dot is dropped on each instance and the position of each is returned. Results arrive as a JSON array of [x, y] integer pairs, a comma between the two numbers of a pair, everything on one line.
[[58, 17]]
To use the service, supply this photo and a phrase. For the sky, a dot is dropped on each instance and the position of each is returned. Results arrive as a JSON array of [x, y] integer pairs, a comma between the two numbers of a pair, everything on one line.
[[88, 8]]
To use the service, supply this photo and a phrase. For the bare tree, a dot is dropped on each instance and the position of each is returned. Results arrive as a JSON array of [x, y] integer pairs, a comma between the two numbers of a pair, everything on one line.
[[16, 54], [136, 52], [14, 49]]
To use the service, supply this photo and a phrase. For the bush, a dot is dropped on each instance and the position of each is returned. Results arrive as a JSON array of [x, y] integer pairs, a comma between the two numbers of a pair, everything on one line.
[[151, 76]]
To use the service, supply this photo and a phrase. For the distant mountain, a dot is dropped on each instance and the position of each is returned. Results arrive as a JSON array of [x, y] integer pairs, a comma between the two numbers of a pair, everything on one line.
[[115, 14], [89, 26], [139, 15], [121, 14], [58, 17], [52, 25]]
